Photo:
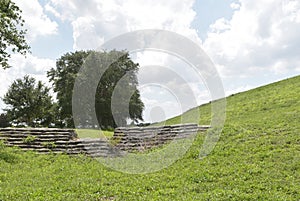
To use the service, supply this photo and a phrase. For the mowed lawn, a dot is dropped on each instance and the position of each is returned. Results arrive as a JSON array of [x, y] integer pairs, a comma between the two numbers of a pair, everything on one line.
[[94, 133], [256, 158]]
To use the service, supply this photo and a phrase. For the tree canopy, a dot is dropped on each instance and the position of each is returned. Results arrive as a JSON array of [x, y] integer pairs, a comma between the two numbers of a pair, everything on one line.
[[67, 70], [4, 122], [63, 78], [12, 37], [28, 103]]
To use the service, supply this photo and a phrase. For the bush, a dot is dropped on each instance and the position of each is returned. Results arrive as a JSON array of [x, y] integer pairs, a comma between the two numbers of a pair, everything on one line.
[[49, 145], [6, 154], [29, 139]]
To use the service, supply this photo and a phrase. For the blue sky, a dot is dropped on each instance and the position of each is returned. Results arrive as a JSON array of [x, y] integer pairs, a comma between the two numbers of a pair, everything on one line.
[[251, 42], [208, 11]]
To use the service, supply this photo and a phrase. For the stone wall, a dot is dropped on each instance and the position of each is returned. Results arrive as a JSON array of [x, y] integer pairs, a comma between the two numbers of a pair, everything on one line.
[[39, 139], [124, 139], [142, 138], [55, 141]]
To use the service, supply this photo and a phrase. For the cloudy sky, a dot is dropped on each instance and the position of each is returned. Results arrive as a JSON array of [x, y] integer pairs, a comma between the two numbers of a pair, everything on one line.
[[251, 42]]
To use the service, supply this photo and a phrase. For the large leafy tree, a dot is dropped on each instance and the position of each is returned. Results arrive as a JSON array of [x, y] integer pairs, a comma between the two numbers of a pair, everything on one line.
[[63, 78], [12, 37], [28, 103], [68, 69]]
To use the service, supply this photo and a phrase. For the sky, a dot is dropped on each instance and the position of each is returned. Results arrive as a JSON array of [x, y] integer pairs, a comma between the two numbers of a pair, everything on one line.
[[250, 42]]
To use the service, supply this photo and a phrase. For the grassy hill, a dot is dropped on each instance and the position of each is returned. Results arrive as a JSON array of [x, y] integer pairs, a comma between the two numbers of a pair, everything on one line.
[[256, 158]]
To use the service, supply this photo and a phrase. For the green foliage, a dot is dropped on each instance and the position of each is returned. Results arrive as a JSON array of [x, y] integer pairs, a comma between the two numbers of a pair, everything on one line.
[[7, 154], [28, 103], [49, 145], [2, 145], [67, 70], [4, 122], [256, 158], [12, 38], [63, 78], [29, 139]]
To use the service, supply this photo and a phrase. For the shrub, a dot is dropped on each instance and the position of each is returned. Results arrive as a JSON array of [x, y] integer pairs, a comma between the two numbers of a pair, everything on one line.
[[49, 144], [29, 139]]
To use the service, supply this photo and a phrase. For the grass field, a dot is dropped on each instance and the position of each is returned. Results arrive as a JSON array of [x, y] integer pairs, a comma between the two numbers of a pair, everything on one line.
[[93, 133], [256, 158]]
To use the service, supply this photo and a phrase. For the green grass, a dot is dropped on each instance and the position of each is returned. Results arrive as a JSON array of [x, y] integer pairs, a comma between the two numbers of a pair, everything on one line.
[[256, 158], [93, 133]]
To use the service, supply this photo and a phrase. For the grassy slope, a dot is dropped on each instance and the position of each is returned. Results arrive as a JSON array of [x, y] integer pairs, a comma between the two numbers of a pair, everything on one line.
[[257, 158]]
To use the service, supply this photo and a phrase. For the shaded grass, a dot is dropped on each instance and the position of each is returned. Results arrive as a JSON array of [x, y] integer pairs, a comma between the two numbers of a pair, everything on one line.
[[256, 158]]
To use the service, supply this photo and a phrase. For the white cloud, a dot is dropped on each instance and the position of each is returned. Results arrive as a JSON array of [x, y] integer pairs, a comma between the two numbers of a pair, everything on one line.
[[96, 21], [220, 26], [87, 36], [235, 6], [164, 105], [52, 10], [169, 83], [29, 65], [238, 89], [262, 37], [36, 21]]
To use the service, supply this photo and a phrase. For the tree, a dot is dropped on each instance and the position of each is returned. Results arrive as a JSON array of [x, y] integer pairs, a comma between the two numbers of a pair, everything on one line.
[[4, 122], [67, 70], [12, 38], [124, 71], [28, 103], [63, 78]]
